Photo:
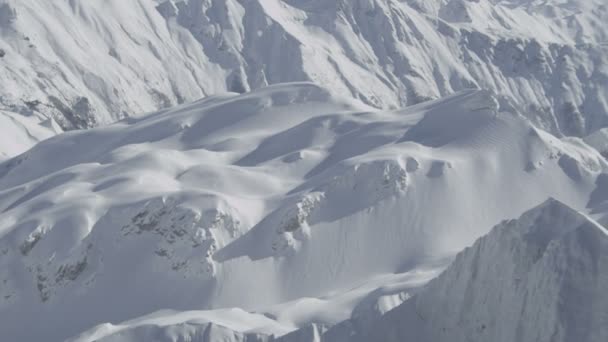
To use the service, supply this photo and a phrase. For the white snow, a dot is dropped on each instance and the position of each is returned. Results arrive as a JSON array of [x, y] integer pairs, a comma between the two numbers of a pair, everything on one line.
[[19, 133], [91, 62], [539, 278], [204, 207], [244, 172]]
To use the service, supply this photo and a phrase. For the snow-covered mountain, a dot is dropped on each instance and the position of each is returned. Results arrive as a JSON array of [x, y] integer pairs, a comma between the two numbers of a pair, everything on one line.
[[289, 203], [541, 277], [19, 133], [85, 63], [303, 170]]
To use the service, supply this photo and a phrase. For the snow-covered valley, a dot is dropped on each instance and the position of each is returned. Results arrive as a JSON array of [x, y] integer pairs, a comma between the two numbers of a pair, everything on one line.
[[303, 170]]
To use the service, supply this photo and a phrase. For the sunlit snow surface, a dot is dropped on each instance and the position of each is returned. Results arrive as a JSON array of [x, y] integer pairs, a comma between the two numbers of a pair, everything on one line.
[[19, 133], [90, 62], [287, 211]]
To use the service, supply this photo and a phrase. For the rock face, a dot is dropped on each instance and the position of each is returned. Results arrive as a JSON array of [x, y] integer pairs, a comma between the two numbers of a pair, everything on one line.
[[541, 277], [86, 63]]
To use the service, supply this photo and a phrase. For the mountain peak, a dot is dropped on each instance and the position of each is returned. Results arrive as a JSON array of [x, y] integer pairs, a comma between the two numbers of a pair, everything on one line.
[[536, 278]]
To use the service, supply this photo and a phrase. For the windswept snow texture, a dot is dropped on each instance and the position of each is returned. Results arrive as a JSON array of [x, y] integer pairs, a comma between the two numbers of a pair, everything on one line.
[[86, 62], [19, 133], [539, 278], [300, 208]]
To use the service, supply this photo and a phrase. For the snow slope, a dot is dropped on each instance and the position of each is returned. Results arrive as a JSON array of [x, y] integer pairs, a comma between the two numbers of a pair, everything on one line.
[[539, 278], [289, 203], [91, 62], [18, 133]]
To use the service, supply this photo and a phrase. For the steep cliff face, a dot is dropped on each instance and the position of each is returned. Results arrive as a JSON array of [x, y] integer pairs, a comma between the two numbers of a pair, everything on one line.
[[90, 62], [541, 277]]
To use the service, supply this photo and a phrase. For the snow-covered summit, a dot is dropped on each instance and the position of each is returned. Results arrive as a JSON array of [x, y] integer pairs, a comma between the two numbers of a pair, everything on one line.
[[274, 192], [302, 191], [538, 278]]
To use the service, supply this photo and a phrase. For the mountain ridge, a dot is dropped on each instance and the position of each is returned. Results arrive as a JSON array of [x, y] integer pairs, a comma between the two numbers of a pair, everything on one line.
[[171, 211], [156, 54]]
